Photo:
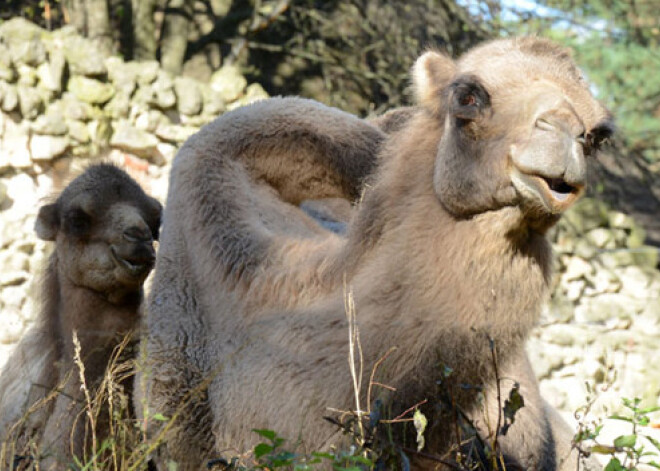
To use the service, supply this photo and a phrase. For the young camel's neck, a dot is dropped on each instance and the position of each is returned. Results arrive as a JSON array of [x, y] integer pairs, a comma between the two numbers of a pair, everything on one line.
[[97, 322]]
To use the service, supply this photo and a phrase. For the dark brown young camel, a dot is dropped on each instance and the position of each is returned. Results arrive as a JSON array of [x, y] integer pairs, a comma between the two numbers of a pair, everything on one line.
[[103, 225]]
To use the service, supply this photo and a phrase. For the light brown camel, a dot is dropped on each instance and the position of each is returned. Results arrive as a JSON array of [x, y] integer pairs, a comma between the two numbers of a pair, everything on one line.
[[446, 252]]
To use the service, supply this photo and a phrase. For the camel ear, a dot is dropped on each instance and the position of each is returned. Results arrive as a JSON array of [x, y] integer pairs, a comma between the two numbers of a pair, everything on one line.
[[48, 222], [432, 72]]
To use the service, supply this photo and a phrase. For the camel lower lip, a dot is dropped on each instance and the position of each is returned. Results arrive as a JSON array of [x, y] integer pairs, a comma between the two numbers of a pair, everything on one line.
[[133, 269], [540, 188]]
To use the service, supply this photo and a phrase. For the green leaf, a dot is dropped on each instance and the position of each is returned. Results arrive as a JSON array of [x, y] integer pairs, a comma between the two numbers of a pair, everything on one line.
[[269, 434], [654, 464], [653, 441], [327, 456], [614, 465], [603, 449], [625, 441], [420, 421], [620, 417], [160, 417], [648, 410], [262, 449]]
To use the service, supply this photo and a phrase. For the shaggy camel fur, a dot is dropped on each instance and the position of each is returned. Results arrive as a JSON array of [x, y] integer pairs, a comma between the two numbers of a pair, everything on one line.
[[446, 251], [103, 226]]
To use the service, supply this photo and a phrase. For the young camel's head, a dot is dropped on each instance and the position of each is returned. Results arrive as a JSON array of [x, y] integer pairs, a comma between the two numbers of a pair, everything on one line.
[[519, 123], [104, 226]]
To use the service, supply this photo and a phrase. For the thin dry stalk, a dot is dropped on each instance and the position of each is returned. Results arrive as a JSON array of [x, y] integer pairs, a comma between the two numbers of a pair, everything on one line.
[[354, 355], [89, 405]]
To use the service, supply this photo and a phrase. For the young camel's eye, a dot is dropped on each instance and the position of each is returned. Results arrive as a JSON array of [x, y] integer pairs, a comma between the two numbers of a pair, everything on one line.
[[77, 223]]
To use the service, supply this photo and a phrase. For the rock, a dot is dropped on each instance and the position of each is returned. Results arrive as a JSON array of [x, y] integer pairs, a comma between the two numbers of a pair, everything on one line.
[[645, 256], [150, 120], [619, 220], [637, 237], [27, 75], [78, 131], [585, 215], [23, 39], [14, 151], [634, 281], [74, 109], [603, 307], [228, 82], [29, 102], [3, 193], [51, 73], [12, 327], [90, 90], [566, 335], [188, 95], [603, 280], [135, 141], [45, 148], [574, 289], [51, 123], [13, 297], [214, 104], [119, 106], [100, 131], [615, 258], [601, 238], [576, 268], [175, 133], [83, 57], [147, 72], [168, 151], [123, 75], [254, 92], [163, 91], [7, 72], [9, 97]]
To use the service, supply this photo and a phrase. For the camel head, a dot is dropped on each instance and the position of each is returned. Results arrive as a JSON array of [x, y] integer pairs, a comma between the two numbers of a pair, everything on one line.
[[104, 226], [519, 122]]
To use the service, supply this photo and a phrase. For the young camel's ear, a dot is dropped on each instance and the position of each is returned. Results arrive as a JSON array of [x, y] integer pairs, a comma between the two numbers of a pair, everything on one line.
[[48, 222], [432, 72]]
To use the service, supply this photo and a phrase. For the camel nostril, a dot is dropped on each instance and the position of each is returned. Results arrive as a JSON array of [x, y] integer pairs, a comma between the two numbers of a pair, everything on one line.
[[137, 235], [559, 185]]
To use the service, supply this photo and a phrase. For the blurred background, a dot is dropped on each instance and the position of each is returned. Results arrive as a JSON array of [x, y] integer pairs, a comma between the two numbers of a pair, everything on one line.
[[130, 80]]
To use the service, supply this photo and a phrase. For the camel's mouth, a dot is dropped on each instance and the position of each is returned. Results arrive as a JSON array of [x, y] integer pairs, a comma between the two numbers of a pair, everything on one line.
[[135, 266], [555, 194]]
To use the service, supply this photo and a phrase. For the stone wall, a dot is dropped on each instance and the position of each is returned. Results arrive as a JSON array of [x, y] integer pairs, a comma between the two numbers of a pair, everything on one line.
[[61, 102]]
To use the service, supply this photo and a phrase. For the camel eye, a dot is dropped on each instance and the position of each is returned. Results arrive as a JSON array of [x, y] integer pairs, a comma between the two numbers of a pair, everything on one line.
[[77, 223], [470, 98]]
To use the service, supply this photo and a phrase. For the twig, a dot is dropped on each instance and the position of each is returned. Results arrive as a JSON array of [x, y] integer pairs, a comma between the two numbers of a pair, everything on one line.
[[373, 374]]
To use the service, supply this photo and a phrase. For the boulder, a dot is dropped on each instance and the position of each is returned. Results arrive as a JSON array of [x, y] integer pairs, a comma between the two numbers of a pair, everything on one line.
[[131, 139], [228, 82], [46, 148], [29, 102], [188, 95], [83, 57], [23, 39], [90, 90]]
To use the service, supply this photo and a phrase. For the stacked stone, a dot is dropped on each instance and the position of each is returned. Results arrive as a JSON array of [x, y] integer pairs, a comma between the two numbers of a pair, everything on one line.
[[59, 95], [604, 310], [62, 103]]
